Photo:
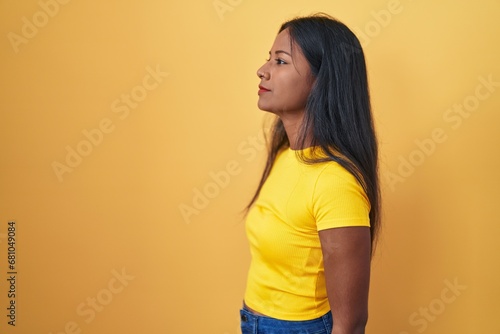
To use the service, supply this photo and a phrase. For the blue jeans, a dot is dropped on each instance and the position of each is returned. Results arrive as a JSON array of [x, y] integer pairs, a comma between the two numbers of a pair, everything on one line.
[[256, 324]]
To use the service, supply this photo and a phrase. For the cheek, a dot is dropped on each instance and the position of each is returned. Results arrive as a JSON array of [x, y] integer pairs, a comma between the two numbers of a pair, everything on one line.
[[300, 92], [294, 87], [304, 89]]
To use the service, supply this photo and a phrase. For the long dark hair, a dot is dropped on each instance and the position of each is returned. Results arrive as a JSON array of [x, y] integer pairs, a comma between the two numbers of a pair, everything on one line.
[[338, 116]]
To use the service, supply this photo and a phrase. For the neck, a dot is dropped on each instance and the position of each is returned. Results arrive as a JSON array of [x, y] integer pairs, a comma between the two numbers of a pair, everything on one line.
[[292, 123]]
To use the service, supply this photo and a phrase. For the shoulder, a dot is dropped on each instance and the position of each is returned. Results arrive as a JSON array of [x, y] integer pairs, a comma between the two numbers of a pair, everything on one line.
[[339, 199], [332, 174]]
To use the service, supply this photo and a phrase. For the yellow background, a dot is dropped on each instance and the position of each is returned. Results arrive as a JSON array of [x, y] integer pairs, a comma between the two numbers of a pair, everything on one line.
[[119, 209]]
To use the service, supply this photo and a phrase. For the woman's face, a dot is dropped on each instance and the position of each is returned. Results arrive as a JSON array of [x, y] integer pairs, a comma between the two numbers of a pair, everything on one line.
[[286, 79]]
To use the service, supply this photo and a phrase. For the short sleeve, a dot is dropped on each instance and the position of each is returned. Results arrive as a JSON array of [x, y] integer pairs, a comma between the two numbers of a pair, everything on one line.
[[339, 200]]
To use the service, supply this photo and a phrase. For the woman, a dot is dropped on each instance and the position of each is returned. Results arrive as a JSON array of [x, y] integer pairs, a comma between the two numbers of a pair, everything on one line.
[[312, 222]]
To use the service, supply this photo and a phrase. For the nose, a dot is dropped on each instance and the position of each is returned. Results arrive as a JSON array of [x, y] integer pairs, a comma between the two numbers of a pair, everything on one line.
[[262, 72]]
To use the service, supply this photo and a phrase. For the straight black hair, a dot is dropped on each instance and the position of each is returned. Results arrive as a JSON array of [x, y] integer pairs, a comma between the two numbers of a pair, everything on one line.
[[338, 118]]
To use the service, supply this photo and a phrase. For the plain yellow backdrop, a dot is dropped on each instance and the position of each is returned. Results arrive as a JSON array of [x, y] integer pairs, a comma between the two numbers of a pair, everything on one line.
[[131, 141]]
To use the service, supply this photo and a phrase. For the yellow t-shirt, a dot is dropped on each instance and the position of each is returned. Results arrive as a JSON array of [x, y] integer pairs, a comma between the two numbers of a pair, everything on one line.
[[286, 276]]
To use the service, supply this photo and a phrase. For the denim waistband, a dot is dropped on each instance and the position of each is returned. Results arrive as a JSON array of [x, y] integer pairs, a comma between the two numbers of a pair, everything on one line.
[[256, 324]]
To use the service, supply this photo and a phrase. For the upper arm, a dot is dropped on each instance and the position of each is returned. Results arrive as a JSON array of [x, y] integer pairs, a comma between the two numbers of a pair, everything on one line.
[[341, 209], [346, 256]]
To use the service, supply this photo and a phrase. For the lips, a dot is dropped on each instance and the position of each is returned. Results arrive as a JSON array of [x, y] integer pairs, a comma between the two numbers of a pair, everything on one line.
[[263, 89]]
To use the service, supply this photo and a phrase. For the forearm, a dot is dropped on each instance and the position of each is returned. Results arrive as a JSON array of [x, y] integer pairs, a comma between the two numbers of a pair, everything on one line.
[[353, 329], [349, 320], [349, 302]]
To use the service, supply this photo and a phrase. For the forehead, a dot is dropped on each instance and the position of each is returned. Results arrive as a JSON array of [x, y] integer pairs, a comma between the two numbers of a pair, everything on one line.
[[282, 41]]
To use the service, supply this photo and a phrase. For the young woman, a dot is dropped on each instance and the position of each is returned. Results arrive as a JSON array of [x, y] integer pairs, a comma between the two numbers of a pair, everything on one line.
[[313, 220]]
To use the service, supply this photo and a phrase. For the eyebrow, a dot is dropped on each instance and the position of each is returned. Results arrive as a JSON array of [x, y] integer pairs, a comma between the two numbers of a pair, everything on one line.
[[280, 51]]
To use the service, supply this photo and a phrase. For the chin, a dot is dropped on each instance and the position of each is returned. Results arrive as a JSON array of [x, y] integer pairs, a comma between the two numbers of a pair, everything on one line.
[[261, 107], [264, 107], [267, 110]]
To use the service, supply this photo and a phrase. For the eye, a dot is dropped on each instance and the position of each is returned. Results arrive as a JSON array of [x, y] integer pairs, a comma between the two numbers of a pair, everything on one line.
[[279, 61]]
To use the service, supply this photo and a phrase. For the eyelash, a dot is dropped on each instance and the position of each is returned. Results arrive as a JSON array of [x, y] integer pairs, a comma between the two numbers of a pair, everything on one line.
[[278, 60]]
